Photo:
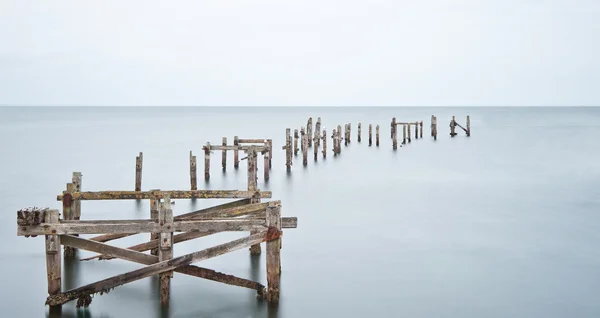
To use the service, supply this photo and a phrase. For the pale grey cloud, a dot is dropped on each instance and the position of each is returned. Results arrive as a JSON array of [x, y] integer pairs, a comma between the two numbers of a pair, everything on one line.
[[311, 52]]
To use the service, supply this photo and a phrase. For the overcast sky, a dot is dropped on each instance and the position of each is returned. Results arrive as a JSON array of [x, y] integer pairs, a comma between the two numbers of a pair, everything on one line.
[[300, 52]]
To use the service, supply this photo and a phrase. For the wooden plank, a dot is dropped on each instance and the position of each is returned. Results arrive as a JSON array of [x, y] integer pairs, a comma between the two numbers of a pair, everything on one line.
[[273, 253], [174, 194], [252, 141], [143, 226], [83, 293], [53, 261], [141, 258]]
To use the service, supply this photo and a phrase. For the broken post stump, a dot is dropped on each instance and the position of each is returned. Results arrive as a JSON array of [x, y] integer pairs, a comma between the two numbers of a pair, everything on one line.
[[309, 130], [305, 149], [288, 149], [468, 126], [273, 252], [358, 137], [53, 260], [224, 154], [139, 160], [207, 161], [324, 143], [377, 135], [194, 186], [236, 155], [370, 135], [296, 142]]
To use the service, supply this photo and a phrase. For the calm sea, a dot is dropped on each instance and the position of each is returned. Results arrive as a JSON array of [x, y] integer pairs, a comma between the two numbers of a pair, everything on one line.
[[504, 223]]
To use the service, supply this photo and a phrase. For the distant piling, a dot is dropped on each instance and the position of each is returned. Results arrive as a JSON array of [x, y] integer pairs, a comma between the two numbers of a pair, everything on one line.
[[139, 162], [358, 137], [377, 135]]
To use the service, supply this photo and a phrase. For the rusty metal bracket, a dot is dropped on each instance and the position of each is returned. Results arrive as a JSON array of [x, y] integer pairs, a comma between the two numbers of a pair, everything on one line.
[[273, 233]]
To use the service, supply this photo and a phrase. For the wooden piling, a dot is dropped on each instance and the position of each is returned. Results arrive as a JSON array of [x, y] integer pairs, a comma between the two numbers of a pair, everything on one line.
[[377, 135], [165, 251], [421, 131], [346, 135], [252, 186], [193, 183], [273, 252], [349, 132], [316, 144], [416, 130], [305, 149], [53, 259], [468, 126], [453, 127], [324, 143], [339, 139], [68, 213], [266, 164], [154, 207], [394, 137], [296, 142], [434, 127], [318, 132], [302, 133], [139, 160], [224, 155], [370, 135], [207, 162], [270, 143], [236, 155], [288, 149], [408, 131], [358, 137], [76, 205], [309, 130], [393, 130]]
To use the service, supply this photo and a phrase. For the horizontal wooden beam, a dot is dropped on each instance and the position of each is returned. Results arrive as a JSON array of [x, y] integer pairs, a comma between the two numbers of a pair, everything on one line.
[[242, 148], [413, 123], [229, 205], [149, 226], [83, 293], [142, 226], [146, 259], [252, 141], [173, 194]]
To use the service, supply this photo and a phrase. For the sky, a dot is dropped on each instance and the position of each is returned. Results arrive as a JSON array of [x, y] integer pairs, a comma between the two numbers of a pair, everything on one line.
[[300, 52]]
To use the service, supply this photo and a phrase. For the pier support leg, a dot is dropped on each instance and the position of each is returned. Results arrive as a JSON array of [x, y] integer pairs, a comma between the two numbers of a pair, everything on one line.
[[270, 142], [416, 130], [193, 183], [224, 154], [68, 212], [393, 127], [421, 131], [252, 186], [316, 145], [288, 149], [165, 251], [377, 135], [370, 135], [296, 142], [309, 130], [324, 143], [404, 134], [53, 261], [207, 162], [394, 137], [453, 127], [305, 140], [408, 132], [154, 207], [358, 137], [468, 126], [266, 162], [318, 132], [139, 161], [273, 253]]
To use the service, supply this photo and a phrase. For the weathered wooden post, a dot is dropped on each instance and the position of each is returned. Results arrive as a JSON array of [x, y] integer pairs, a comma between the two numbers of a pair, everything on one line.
[[434, 127], [416, 130], [394, 137], [67, 202], [207, 161], [324, 143], [468, 126], [296, 142], [302, 133], [346, 135], [288, 149], [252, 186], [393, 127], [305, 149], [236, 155], [349, 132], [53, 260], [318, 132], [334, 141], [408, 131], [270, 146], [377, 135], [358, 132], [224, 154], [139, 160], [339, 138], [370, 135], [154, 207], [309, 131], [421, 131], [452, 127], [266, 160], [76, 205], [165, 251], [316, 144], [273, 252], [193, 172]]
